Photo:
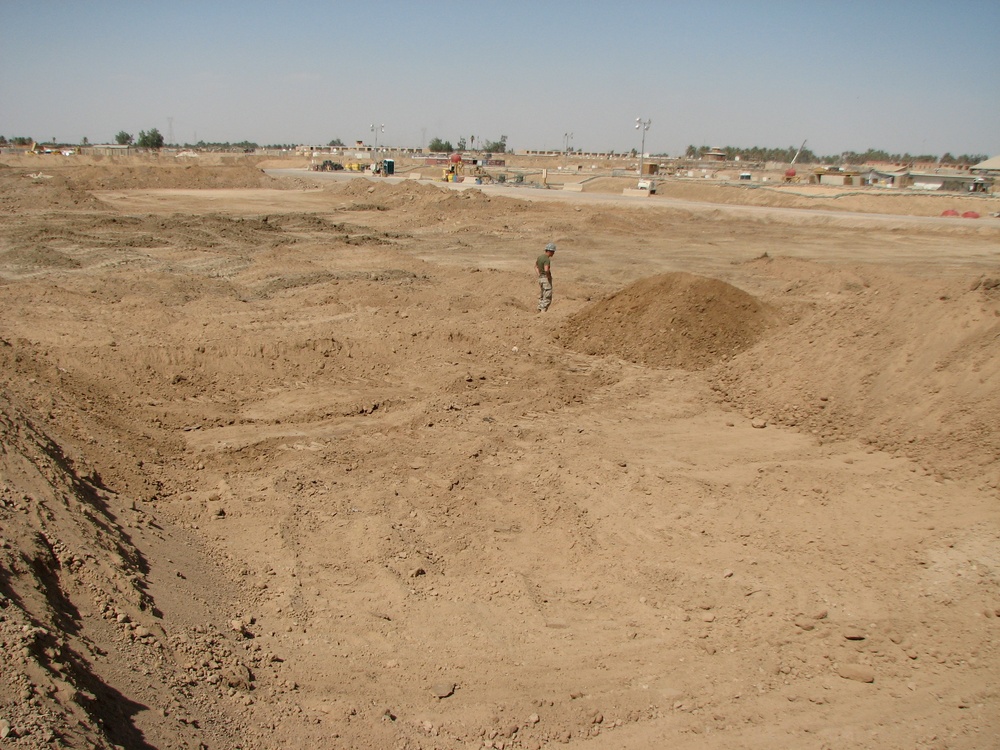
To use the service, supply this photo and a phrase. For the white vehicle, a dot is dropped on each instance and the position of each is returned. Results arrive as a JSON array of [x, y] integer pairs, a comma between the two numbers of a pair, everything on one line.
[[648, 185]]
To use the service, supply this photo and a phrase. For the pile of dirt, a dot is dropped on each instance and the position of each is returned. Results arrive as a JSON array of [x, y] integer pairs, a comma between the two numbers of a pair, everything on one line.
[[671, 320], [52, 187], [41, 190], [433, 206], [907, 366], [414, 194], [189, 176]]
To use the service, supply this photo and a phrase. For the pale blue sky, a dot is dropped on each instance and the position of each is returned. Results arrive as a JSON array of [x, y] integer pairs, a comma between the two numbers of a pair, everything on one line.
[[916, 76]]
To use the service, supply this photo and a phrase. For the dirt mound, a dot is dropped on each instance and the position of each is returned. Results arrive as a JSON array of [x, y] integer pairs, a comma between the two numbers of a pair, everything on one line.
[[49, 187], [904, 365], [431, 205], [191, 176], [410, 193], [41, 190], [672, 320]]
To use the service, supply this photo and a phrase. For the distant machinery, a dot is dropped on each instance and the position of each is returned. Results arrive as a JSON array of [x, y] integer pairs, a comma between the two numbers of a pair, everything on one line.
[[455, 169]]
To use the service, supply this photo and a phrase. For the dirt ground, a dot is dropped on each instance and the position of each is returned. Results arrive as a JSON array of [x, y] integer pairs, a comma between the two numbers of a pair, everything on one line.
[[289, 462]]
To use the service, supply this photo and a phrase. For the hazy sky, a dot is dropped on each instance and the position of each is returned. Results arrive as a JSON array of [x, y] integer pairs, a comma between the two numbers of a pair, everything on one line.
[[900, 75]]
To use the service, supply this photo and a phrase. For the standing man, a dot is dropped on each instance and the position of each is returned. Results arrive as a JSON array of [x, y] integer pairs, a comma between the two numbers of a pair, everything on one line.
[[543, 266]]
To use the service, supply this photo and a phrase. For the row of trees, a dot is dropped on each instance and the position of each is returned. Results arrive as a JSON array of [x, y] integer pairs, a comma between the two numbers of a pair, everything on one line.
[[154, 139], [437, 146], [245, 146], [852, 157], [151, 139], [806, 156]]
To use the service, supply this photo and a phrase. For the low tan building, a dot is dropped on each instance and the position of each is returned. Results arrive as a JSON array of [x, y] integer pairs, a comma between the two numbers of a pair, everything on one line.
[[947, 181], [835, 176], [108, 149]]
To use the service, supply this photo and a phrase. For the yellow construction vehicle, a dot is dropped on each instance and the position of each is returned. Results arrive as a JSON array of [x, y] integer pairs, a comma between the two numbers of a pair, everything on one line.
[[453, 172]]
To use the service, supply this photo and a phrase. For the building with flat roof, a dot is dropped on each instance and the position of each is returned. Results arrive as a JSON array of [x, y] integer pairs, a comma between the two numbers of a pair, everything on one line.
[[108, 149]]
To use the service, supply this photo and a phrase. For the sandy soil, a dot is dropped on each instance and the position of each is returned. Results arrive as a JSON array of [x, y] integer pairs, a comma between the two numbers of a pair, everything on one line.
[[292, 462]]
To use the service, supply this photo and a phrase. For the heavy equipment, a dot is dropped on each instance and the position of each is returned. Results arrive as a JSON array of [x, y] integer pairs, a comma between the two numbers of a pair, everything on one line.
[[328, 166]]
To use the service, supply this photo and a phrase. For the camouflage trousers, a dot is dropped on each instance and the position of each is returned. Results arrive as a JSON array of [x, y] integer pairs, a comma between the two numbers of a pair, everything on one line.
[[545, 293]]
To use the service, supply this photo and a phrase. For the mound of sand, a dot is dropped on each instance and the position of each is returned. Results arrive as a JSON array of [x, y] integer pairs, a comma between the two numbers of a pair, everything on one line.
[[41, 190], [904, 365], [413, 194], [190, 176], [670, 320], [47, 187]]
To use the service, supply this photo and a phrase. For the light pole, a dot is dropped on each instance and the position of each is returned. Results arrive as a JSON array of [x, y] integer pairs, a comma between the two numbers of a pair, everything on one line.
[[642, 125], [567, 137], [375, 129]]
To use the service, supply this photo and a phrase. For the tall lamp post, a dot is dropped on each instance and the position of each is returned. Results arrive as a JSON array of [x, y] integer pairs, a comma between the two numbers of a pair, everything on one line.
[[567, 137], [375, 129], [642, 125]]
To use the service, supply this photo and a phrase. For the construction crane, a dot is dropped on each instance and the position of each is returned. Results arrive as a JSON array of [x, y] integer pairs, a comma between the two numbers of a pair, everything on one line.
[[798, 152], [790, 175]]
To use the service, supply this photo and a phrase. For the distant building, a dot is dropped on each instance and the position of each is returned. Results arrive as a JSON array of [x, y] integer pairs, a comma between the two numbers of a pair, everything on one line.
[[945, 180], [948, 182], [989, 172], [990, 167], [108, 149], [880, 177], [713, 154], [835, 176]]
